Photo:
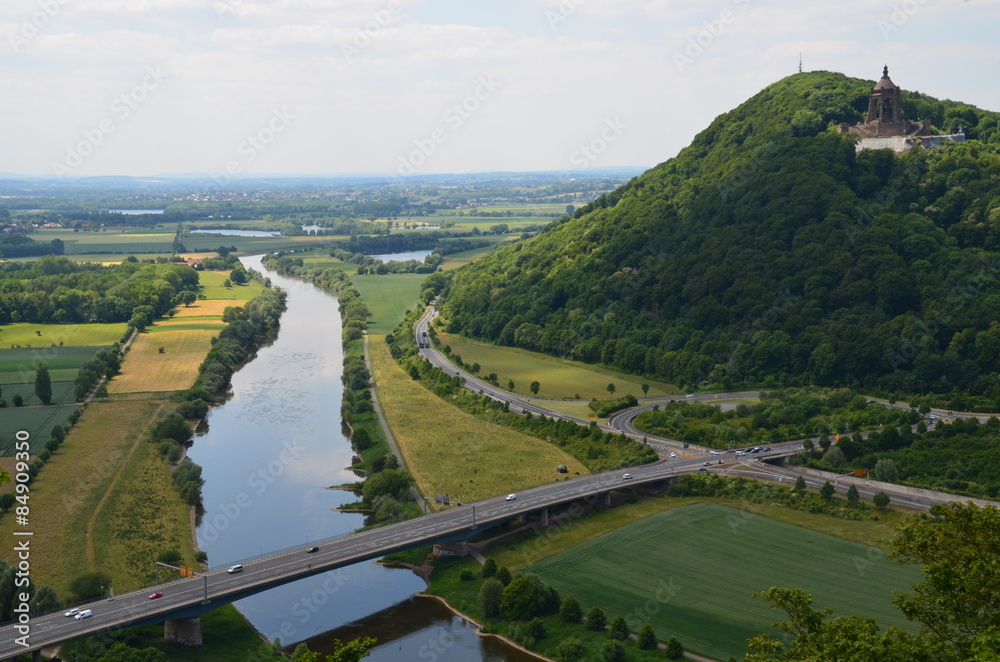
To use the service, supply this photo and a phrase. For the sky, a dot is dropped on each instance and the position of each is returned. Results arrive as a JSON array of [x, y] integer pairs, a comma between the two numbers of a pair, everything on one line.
[[233, 88]]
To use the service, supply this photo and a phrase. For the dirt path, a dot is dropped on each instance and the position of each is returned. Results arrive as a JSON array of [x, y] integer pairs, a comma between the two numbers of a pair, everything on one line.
[[91, 555]]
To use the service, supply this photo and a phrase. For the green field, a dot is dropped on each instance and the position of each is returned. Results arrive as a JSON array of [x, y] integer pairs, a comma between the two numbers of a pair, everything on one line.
[[456, 260], [45, 335], [38, 422], [690, 573], [388, 297], [62, 393], [558, 378], [17, 366], [251, 245], [211, 286]]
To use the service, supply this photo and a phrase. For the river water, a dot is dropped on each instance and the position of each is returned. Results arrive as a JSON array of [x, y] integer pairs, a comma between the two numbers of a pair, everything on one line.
[[268, 457]]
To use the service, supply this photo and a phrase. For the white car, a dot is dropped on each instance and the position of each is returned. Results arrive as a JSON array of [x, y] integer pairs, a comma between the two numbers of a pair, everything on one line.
[[673, 454], [73, 612], [86, 613], [740, 453], [234, 569], [689, 395], [713, 452], [511, 497], [626, 476]]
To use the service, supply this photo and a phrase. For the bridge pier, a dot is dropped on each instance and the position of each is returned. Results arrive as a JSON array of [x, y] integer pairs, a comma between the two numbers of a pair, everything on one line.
[[36, 656], [545, 517], [607, 499], [460, 548], [185, 631]]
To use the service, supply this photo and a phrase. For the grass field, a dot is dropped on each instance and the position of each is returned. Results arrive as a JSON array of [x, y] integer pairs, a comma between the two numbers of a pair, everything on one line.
[[73, 483], [17, 366], [456, 260], [558, 378], [690, 573], [450, 452], [147, 370], [388, 297], [211, 287], [37, 421], [27, 335], [209, 242]]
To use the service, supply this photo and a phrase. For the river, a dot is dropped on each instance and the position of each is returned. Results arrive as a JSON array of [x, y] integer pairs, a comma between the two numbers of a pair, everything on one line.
[[268, 456]]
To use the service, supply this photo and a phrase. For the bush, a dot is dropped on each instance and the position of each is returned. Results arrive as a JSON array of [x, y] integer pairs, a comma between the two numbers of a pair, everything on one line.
[[490, 596], [619, 629], [467, 576], [674, 650], [570, 650], [570, 610], [647, 638], [612, 651], [489, 568], [596, 620]]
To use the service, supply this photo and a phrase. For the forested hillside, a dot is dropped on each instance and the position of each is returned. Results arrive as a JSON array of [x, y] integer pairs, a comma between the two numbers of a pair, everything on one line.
[[768, 253]]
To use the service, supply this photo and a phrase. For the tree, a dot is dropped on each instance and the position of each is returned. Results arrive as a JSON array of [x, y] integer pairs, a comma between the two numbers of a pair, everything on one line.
[[619, 629], [503, 574], [45, 600], [122, 652], [361, 440], [827, 491], [834, 457], [534, 387], [596, 620], [228, 284], [489, 568], [611, 388], [475, 367], [510, 384], [43, 384], [570, 611], [885, 471], [570, 650], [800, 484], [852, 494], [351, 651], [647, 638], [521, 598], [490, 597], [612, 651], [536, 629], [391, 482], [881, 500], [645, 389], [674, 650], [88, 585]]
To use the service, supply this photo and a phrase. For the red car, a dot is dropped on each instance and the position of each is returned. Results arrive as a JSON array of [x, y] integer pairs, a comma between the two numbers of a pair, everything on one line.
[[153, 596]]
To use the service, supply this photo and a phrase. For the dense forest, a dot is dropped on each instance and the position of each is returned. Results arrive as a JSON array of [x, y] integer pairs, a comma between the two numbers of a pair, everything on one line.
[[769, 253], [56, 290]]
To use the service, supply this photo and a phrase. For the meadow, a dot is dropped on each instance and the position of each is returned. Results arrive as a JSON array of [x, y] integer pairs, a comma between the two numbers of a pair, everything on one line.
[[62, 393], [690, 572], [388, 297], [43, 336], [72, 487], [17, 366], [213, 289], [145, 369], [451, 452], [558, 378]]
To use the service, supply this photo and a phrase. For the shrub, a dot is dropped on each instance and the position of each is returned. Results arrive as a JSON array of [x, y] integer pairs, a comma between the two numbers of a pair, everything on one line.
[[596, 620]]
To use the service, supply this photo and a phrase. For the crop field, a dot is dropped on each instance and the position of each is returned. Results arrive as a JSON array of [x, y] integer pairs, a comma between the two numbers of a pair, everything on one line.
[[17, 366], [691, 572], [211, 286], [445, 448], [62, 393], [323, 260], [388, 297], [45, 335], [204, 308], [147, 370], [37, 421], [558, 378]]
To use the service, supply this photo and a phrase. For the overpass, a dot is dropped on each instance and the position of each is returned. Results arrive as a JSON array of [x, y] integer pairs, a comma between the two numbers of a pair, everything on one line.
[[186, 598]]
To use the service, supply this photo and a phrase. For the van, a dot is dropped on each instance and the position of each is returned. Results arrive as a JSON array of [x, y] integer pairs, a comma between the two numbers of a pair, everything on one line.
[[234, 569], [86, 613]]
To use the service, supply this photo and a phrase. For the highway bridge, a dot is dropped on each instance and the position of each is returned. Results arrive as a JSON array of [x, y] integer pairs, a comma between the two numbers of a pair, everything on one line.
[[190, 597]]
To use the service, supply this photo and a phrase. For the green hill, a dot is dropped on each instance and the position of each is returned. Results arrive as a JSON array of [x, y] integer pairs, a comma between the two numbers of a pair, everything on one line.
[[769, 253]]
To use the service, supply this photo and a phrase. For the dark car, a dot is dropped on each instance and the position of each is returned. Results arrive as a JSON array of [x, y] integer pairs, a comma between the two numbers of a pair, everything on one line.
[[312, 549]]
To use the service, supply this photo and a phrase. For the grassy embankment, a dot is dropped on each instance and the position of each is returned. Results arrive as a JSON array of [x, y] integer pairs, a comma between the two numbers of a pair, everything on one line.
[[621, 558], [557, 378], [451, 452]]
